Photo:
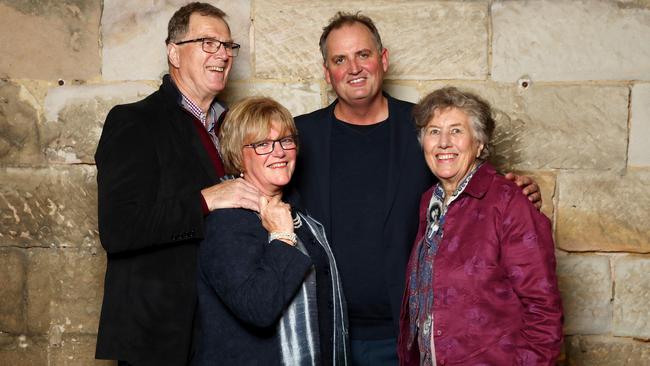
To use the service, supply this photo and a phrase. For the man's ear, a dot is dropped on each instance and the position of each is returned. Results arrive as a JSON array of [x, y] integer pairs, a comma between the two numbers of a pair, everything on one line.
[[384, 59], [326, 73], [173, 57]]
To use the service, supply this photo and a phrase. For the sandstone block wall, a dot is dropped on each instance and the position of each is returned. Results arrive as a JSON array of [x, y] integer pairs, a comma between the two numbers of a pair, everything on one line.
[[569, 80]]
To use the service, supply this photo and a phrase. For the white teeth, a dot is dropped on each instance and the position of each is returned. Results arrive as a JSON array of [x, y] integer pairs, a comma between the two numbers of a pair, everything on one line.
[[215, 68], [445, 156], [278, 165], [356, 81]]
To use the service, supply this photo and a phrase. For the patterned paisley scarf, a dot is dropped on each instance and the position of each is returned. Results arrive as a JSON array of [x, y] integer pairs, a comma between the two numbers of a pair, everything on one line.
[[421, 291]]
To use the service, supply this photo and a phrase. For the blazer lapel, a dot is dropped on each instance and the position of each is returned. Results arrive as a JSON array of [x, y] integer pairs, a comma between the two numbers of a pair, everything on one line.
[[325, 150], [399, 135], [185, 127]]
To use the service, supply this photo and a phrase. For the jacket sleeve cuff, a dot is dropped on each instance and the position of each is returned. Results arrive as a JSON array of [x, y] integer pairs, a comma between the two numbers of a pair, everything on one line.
[[204, 206]]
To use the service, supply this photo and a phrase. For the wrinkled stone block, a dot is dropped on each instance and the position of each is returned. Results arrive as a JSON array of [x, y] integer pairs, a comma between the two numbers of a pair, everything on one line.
[[298, 98], [603, 211], [75, 117], [639, 150], [137, 33], [401, 91], [49, 207], [77, 350], [426, 40], [571, 40], [65, 288], [50, 39], [632, 291], [12, 301], [23, 351], [19, 119], [586, 288], [546, 183], [606, 351], [554, 127]]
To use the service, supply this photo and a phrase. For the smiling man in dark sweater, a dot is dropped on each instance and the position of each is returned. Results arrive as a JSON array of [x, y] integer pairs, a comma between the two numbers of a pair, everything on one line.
[[361, 172]]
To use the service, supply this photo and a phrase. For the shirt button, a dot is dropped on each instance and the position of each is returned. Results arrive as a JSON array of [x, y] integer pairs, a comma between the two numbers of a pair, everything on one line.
[[439, 332]]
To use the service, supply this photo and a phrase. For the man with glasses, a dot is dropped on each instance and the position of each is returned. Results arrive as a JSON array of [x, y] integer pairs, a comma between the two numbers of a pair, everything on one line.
[[361, 173], [158, 167]]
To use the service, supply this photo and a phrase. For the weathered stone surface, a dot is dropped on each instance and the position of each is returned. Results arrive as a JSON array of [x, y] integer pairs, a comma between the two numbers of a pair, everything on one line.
[[75, 116], [586, 288], [604, 211], [48, 207], [50, 39], [23, 351], [298, 98], [426, 39], [64, 288], [137, 33], [571, 40], [606, 351], [631, 294], [18, 125], [554, 127], [402, 91], [77, 350], [546, 183], [639, 150], [12, 290]]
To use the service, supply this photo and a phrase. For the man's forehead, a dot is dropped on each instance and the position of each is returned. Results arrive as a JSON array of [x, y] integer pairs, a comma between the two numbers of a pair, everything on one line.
[[355, 34], [207, 23]]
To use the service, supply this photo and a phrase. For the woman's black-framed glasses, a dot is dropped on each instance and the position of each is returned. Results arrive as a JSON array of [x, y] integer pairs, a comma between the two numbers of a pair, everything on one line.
[[212, 45], [266, 147]]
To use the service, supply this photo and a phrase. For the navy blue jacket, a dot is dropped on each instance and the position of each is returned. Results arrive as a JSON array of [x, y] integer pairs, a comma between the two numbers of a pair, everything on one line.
[[246, 283], [408, 178]]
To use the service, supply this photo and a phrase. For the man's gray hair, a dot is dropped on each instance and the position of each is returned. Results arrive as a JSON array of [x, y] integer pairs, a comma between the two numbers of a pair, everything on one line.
[[180, 21]]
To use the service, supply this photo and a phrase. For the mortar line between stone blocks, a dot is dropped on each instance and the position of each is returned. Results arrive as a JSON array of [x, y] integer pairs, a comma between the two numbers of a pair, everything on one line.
[[490, 31], [629, 125]]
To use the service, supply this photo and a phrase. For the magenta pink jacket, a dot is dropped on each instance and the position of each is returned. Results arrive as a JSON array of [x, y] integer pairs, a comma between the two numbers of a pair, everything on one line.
[[496, 300]]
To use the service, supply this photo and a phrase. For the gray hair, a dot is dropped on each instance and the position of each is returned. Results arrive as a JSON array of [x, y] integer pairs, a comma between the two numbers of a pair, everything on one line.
[[180, 21], [478, 110]]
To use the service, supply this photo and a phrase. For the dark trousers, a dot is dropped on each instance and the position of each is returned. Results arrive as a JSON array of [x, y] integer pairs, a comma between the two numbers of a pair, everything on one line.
[[381, 352]]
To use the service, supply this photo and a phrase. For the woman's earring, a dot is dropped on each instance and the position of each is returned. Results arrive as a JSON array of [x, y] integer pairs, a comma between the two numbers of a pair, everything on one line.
[[241, 174]]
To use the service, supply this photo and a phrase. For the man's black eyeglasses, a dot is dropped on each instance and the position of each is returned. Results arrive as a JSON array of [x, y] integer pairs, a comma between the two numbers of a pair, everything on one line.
[[212, 45]]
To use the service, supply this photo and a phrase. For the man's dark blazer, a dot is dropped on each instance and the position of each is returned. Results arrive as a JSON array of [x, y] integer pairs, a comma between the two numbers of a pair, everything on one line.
[[408, 178], [151, 167]]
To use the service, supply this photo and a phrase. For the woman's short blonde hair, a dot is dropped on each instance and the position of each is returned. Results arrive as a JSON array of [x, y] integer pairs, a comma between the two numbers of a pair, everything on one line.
[[249, 121]]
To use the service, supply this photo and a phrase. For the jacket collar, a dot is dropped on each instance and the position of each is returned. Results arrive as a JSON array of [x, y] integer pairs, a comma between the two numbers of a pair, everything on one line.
[[480, 182], [400, 132], [182, 124]]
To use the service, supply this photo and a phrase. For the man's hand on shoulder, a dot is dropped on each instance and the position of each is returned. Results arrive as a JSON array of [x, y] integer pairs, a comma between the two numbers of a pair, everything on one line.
[[235, 193], [529, 188]]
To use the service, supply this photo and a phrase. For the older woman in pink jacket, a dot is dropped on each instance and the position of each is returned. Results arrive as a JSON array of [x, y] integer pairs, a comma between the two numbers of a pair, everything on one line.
[[481, 286]]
